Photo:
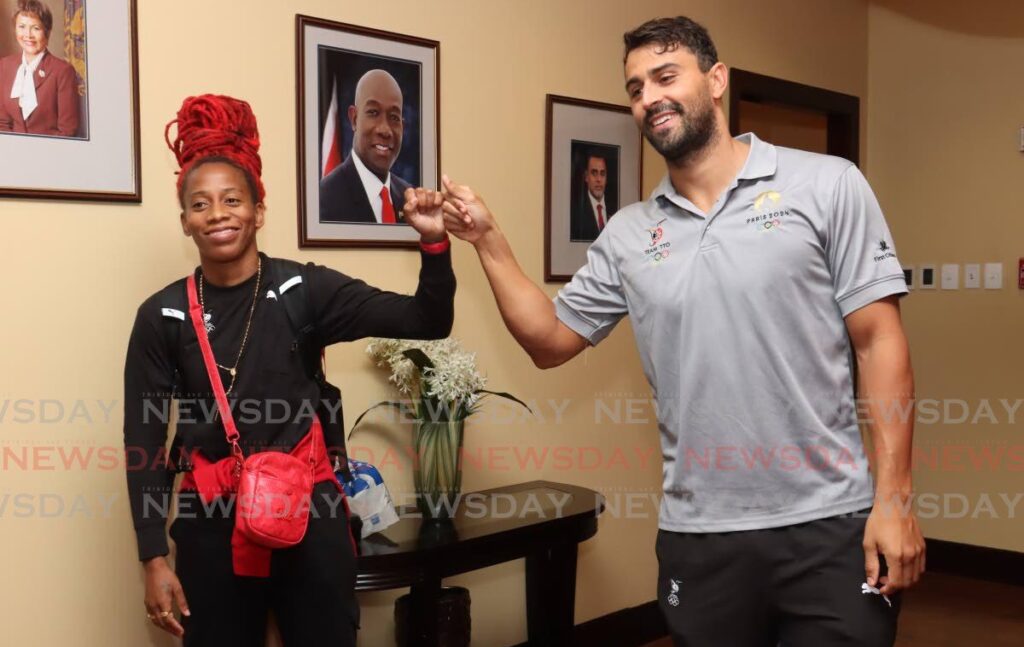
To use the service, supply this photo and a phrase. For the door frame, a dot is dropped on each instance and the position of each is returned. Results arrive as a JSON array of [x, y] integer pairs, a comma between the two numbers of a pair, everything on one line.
[[841, 110]]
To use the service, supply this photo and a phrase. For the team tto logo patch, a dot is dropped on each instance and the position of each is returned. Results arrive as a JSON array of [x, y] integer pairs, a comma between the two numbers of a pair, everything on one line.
[[769, 214], [656, 235], [657, 248]]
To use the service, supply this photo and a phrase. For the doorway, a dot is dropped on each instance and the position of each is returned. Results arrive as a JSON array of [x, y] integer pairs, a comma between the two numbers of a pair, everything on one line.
[[795, 115]]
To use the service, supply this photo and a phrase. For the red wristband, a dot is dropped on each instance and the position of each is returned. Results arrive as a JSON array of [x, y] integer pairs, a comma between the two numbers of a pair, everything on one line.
[[435, 248]]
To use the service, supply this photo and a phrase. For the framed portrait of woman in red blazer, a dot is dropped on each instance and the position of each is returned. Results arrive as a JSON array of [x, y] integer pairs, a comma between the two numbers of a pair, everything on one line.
[[64, 106]]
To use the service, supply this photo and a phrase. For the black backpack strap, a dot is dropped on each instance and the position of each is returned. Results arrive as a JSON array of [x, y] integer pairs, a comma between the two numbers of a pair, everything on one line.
[[290, 280], [174, 314]]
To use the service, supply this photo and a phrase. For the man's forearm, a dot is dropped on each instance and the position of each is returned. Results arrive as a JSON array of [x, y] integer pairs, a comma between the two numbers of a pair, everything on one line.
[[887, 385], [527, 311]]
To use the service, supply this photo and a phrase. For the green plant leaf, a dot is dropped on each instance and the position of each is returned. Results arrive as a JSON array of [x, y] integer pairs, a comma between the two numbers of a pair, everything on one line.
[[507, 396], [401, 406]]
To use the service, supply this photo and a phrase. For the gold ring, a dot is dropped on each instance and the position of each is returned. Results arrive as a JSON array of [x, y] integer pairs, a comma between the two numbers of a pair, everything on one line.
[[151, 616], [166, 614]]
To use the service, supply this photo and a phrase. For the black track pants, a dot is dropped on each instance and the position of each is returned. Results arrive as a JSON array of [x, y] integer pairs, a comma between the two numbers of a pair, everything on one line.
[[311, 589], [796, 586]]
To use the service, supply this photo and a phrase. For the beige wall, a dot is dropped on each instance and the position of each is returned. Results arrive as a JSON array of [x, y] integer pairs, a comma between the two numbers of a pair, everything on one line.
[[76, 272], [945, 106]]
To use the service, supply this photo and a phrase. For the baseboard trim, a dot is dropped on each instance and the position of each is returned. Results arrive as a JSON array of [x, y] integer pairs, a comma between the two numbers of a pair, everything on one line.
[[979, 562], [632, 627]]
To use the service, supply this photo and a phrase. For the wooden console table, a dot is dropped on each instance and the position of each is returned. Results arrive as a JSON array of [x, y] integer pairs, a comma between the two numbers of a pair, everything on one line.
[[539, 520]]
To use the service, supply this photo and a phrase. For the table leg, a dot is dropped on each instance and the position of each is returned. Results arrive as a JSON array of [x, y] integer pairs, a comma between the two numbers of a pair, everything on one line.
[[551, 595], [423, 611]]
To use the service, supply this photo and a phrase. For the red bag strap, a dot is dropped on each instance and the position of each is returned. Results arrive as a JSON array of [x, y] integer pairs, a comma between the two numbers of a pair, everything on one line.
[[195, 311]]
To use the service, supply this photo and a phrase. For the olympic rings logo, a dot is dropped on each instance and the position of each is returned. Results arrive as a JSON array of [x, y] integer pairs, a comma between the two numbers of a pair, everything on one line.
[[660, 256], [772, 224]]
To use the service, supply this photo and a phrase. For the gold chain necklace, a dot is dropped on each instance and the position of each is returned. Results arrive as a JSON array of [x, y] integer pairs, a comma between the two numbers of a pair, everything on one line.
[[233, 370]]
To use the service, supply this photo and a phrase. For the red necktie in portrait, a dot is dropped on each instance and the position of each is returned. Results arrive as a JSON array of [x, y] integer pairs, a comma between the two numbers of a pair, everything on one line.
[[387, 213], [600, 217]]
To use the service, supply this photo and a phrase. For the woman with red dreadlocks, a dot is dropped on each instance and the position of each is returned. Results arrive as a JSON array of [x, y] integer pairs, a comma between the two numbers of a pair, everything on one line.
[[223, 343]]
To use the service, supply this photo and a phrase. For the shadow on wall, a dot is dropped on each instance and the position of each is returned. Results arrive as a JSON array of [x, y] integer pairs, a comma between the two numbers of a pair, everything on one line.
[[999, 18]]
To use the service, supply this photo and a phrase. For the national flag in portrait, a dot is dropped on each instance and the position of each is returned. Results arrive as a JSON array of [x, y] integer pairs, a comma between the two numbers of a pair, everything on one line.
[[330, 155]]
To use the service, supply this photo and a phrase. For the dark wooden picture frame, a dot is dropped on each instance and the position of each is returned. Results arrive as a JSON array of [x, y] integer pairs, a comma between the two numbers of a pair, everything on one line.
[[114, 102], [570, 121], [842, 111], [317, 38]]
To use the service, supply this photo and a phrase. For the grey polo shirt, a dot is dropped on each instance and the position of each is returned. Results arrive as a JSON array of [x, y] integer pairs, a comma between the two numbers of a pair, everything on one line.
[[738, 315]]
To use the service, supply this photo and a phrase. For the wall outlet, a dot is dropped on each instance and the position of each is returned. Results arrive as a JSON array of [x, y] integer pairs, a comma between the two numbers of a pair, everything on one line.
[[972, 276], [993, 276], [950, 276]]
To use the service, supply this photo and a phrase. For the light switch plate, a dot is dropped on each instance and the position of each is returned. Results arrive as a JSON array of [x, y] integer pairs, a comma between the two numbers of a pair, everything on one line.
[[993, 276], [972, 276], [908, 276], [950, 276], [926, 277]]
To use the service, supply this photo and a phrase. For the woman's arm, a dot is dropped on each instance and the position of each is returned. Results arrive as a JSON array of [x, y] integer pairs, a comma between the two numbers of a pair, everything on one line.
[[148, 377], [347, 309], [148, 382]]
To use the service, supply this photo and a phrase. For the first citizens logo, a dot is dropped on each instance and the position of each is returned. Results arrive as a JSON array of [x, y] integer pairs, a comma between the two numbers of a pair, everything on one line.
[[884, 251]]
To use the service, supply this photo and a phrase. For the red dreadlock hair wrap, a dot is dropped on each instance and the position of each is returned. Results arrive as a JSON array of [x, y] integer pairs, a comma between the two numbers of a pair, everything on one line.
[[216, 126]]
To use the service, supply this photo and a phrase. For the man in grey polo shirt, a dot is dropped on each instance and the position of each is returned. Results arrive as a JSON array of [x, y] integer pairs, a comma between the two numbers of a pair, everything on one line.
[[752, 275]]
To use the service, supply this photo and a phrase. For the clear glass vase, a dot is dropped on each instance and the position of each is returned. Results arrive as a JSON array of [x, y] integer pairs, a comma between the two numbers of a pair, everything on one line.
[[437, 473]]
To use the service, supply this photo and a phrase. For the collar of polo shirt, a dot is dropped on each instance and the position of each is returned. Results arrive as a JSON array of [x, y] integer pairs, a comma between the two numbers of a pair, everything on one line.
[[761, 162]]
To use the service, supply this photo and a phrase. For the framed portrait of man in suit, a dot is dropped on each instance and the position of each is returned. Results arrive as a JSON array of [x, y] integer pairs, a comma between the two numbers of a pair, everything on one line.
[[593, 189], [593, 168], [68, 97], [368, 130]]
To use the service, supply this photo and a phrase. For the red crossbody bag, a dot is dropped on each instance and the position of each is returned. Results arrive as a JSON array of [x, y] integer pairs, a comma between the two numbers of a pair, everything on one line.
[[274, 488]]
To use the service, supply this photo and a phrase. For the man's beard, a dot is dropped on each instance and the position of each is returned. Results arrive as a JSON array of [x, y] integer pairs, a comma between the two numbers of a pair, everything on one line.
[[696, 131]]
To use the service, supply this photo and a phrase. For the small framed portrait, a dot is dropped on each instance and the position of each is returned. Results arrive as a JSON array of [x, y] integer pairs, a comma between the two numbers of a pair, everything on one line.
[[593, 168], [69, 97], [368, 108]]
